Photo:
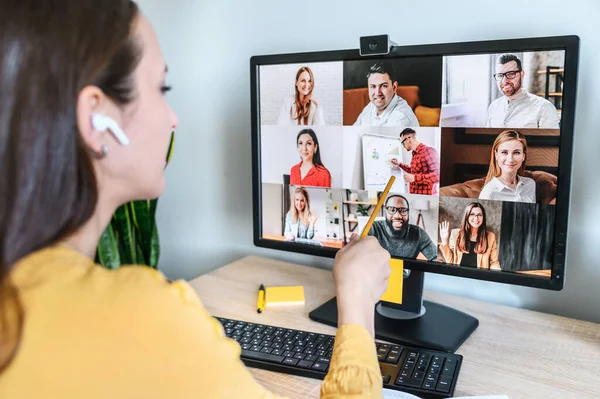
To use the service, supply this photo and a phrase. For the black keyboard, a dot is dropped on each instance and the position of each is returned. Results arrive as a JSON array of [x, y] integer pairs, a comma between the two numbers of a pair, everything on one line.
[[422, 372]]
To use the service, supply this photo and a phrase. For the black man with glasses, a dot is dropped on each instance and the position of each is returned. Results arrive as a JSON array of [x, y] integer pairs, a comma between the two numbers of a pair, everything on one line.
[[396, 235], [518, 108]]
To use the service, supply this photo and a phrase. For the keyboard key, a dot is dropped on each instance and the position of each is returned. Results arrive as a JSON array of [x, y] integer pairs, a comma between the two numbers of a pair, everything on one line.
[[256, 348], [277, 352], [429, 386], [311, 358], [401, 380], [288, 354], [299, 356], [262, 356], [304, 364], [414, 382], [419, 375], [443, 385], [320, 366], [266, 350], [431, 378], [290, 361], [382, 353], [386, 379], [392, 357], [323, 359], [449, 368]]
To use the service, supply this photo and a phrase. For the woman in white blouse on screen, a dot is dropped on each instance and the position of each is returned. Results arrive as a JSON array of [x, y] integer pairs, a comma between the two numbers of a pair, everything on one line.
[[301, 108], [505, 180]]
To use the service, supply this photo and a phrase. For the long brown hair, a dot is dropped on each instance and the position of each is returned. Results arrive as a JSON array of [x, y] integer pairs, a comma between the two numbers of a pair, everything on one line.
[[50, 51], [306, 212], [302, 108], [507, 135], [463, 240]]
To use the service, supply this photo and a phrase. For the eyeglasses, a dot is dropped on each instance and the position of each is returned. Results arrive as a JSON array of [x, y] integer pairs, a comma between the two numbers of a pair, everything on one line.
[[392, 210], [508, 75], [404, 139], [475, 215]]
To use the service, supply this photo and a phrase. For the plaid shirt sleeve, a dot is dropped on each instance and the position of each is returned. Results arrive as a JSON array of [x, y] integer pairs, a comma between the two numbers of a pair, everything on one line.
[[429, 162]]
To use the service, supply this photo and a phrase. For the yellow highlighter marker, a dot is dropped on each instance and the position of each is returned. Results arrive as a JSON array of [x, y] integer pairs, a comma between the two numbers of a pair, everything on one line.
[[386, 191], [260, 305]]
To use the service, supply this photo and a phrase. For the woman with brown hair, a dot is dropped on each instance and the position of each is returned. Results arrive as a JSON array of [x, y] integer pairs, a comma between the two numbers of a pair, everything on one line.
[[72, 72], [505, 180], [472, 245], [301, 108]]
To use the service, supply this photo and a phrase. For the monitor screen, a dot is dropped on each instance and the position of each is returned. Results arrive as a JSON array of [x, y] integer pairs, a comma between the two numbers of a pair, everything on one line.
[[478, 136]]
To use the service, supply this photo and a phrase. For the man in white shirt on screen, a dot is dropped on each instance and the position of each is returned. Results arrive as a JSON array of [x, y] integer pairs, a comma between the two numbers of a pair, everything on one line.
[[386, 107], [517, 108]]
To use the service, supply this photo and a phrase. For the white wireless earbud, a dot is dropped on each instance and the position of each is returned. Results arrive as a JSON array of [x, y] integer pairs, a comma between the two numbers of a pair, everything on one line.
[[102, 122]]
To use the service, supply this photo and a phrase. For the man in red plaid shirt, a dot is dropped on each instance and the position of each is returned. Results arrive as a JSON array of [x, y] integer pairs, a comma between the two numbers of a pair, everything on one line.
[[424, 171]]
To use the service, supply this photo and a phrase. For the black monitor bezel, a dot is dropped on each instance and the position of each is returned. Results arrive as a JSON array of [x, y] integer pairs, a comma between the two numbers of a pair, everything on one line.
[[570, 44]]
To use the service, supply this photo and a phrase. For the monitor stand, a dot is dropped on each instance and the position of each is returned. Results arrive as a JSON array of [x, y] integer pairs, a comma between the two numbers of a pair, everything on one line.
[[416, 322]]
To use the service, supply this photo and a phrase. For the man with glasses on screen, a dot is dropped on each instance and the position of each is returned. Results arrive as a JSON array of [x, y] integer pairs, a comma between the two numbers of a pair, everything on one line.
[[517, 108], [386, 107], [396, 235]]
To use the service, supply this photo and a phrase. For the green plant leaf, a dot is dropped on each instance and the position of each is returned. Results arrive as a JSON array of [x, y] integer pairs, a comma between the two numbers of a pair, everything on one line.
[[171, 147], [125, 227], [154, 249], [144, 223], [108, 250]]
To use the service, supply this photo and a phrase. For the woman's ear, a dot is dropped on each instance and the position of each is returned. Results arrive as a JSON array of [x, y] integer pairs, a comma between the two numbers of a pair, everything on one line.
[[89, 101]]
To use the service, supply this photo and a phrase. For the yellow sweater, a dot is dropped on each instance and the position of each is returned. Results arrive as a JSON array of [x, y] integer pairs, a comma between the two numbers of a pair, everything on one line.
[[128, 333]]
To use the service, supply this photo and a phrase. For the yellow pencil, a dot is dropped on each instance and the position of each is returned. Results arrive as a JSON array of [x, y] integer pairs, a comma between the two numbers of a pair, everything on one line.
[[378, 207]]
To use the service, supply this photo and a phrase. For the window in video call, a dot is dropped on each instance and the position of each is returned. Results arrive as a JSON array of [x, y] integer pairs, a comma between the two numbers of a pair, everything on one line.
[[473, 141]]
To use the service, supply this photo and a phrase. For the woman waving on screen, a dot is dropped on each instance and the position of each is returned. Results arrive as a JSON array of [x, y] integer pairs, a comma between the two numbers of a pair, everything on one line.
[[471, 245]]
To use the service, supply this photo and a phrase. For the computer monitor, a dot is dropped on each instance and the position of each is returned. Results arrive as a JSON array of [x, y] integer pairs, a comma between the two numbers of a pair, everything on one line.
[[479, 136]]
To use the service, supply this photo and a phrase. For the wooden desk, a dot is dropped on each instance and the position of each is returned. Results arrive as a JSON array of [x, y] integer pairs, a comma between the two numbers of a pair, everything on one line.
[[516, 352]]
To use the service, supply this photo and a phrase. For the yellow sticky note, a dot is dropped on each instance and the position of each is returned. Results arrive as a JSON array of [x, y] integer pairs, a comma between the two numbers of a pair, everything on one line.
[[394, 291], [284, 296]]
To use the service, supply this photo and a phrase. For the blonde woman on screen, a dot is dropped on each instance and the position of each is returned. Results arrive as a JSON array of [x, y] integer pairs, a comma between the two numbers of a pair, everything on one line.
[[471, 245], [301, 108], [300, 220], [75, 328], [505, 180]]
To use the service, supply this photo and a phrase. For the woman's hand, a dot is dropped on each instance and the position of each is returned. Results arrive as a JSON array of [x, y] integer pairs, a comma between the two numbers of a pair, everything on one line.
[[444, 232], [360, 273]]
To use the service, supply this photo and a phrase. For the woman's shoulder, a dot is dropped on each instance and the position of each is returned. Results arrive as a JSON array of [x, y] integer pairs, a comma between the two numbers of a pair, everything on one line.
[[59, 271], [527, 180]]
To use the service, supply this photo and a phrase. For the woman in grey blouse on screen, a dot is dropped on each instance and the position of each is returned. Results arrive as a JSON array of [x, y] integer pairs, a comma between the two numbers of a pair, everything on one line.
[[300, 220], [301, 108], [505, 180]]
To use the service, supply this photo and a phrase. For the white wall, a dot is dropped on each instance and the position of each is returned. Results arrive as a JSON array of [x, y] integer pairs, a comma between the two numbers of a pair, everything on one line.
[[205, 215]]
